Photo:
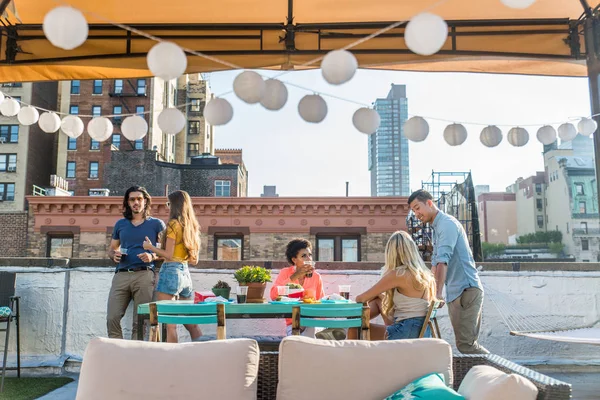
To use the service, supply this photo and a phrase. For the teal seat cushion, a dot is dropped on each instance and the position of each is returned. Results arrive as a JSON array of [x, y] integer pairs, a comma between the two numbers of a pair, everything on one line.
[[5, 312], [430, 386]]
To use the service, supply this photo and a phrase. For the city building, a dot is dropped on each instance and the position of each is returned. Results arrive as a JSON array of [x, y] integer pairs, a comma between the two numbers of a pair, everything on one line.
[[26, 162], [497, 216], [269, 191], [388, 148], [572, 197], [531, 201]]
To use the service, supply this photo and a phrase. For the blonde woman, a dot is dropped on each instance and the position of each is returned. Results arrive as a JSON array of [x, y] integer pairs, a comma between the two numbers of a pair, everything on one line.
[[408, 288], [180, 245]]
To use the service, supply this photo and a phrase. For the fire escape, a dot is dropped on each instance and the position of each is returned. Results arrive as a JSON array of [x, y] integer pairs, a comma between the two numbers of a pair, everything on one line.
[[122, 90]]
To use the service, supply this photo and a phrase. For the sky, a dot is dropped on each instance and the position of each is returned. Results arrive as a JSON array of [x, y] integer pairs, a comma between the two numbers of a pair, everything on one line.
[[304, 159]]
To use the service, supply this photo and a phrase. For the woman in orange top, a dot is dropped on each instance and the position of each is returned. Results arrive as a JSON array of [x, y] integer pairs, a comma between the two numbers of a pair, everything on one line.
[[180, 245], [298, 252]]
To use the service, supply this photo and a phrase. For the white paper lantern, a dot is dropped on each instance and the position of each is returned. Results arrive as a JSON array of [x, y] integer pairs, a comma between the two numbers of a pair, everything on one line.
[[166, 60], [134, 127], [100, 128], [366, 120], [28, 116], [519, 4], [218, 111], [338, 66], [455, 134], [426, 34], [65, 27], [275, 95], [72, 126], [546, 135], [567, 132], [9, 107], [416, 129], [249, 87], [312, 108], [491, 136], [518, 137], [171, 121], [587, 126], [49, 122]]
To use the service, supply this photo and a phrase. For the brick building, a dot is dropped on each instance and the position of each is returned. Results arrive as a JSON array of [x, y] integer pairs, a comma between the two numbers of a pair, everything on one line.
[[341, 229], [206, 176]]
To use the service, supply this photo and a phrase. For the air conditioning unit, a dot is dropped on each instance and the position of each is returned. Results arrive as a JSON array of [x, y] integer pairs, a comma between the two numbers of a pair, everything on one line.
[[99, 192], [2, 140], [12, 169]]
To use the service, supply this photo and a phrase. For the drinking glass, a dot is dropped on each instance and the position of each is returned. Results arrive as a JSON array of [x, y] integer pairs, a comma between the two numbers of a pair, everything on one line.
[[344, 291], [242, 292], [312, 264]]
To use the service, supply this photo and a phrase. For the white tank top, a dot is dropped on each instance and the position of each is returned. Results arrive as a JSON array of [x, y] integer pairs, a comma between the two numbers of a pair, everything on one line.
[[408, 307]]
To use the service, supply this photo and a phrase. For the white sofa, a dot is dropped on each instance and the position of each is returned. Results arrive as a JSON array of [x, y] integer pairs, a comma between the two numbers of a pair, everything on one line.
[[130, 370]]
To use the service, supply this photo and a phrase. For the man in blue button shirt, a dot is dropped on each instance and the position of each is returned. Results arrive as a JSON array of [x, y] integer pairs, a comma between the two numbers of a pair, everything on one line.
[[134, 275], [453, 264]]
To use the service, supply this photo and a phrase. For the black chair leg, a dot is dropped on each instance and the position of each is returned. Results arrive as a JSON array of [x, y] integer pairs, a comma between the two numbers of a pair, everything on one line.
[[5, 354], [18, 347]]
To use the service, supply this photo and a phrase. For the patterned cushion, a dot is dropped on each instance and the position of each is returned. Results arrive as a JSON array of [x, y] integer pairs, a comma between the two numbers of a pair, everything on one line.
[[5, 312], [430, 386]]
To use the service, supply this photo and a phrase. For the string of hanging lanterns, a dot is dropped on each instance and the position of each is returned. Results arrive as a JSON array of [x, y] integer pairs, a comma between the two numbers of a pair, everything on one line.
[[425, 34]]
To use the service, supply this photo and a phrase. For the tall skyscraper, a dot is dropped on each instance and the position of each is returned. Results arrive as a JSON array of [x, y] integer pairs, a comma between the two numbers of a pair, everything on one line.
[[388, 148]]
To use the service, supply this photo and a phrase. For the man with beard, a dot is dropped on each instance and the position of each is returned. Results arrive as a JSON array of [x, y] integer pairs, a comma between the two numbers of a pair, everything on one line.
[[453, 264], [134, 275]]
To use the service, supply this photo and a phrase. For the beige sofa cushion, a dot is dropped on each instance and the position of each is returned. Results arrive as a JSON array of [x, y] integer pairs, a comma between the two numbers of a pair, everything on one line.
[[355, 369], [125, 369], [488, 383]]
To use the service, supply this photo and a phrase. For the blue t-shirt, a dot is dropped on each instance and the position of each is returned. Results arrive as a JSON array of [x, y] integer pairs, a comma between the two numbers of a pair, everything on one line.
[[132, 238]]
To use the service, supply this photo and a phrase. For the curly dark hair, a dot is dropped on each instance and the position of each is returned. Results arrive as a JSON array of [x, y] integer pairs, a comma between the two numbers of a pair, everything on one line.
[[127, 213], [294, 247]]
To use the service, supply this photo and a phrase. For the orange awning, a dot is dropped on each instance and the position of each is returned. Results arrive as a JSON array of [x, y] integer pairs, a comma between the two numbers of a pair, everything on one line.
[[484, 36]]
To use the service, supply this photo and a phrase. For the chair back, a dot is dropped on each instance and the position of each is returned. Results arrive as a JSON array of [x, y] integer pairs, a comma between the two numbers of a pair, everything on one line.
[[212, 313], [331, 316], [8, 282], [430, 320]]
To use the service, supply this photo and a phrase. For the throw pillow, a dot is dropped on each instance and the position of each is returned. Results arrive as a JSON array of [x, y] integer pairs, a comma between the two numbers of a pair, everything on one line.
[[430, 386], [5, 312], [483, 382]]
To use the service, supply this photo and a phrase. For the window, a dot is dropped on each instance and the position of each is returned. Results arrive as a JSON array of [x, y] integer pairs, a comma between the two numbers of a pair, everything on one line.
[[96, 111], [538, 188], [7, 191], [193, 149], [584, 227], [117, 111], [579, 188], [195, 105], [9, 133], [540, 221], [140, 110], [582, 209], [93, 170], [8, 162], [94, 145], [72, 144], [75, 86], [229, 248], [539, 204], [74, 110], [97, 87], [585, 244], [70, 169], [338, 248], [222, 188], [60, 246], [193, 127], [141, 86], [116, 140], [139, 144], [13, 85], [118, 86]]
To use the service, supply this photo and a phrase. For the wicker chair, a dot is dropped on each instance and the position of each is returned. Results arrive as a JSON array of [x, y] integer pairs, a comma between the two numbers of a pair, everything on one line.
[[548, 388], [9, 312]]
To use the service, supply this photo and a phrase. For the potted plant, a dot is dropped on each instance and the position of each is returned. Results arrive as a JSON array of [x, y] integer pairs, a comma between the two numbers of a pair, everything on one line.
[[256, 279], [222, 289]]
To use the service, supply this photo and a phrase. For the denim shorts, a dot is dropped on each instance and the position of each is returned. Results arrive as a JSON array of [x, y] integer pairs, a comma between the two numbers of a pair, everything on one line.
[[174, 279], [409, 328]]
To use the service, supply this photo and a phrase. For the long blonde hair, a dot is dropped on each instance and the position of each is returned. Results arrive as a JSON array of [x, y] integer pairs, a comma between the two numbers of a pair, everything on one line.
[[401, 255], [182, 211]]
